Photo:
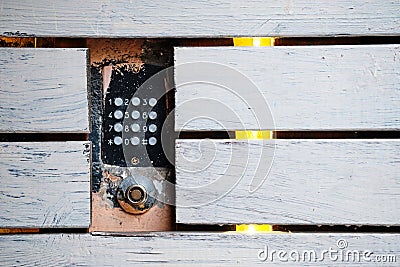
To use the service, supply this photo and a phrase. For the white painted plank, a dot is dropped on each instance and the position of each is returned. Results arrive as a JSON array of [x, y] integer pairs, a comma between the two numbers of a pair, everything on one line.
[[288, 88], [200, 249], [327, 182], [96, 18], [45, 184], [43, 90]]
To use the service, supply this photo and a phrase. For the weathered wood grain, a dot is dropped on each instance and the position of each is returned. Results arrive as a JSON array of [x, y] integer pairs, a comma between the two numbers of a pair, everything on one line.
[[45, 184], [288, 88], [95, 18], [327, 182], [198, 249], [43, 90]]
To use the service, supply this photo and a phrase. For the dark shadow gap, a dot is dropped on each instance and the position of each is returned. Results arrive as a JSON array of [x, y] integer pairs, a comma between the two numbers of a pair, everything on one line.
[[63, 230], [337, 228], [338, 40], [204, 227], [206, 135], [42, 137], [336, 134]]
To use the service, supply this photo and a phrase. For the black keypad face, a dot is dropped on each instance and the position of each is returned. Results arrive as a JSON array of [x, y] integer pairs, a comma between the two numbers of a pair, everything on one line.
[[134, 114]]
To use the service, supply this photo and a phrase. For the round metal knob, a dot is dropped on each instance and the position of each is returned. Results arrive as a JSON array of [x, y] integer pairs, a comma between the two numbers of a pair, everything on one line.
[[136, 194]]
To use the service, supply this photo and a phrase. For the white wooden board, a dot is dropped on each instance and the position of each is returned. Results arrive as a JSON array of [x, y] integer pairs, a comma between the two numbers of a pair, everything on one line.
[[43, 90], [45, 184], [200, 249], [96, 18], [316, 182], [288, 88]]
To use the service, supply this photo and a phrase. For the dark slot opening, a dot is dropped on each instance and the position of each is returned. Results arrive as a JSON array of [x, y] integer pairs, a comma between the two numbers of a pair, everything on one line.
[[205, 227], [336, 134], [207, 134], [42, 137], [338, 40], [337, 228]]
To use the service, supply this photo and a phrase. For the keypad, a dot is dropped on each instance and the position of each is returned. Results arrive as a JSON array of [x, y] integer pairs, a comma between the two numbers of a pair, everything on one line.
[[133, 121]]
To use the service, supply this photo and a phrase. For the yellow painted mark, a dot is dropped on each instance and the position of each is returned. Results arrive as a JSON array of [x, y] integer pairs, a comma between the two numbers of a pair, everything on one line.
[[253, 135], [254, 41], [254, 228]]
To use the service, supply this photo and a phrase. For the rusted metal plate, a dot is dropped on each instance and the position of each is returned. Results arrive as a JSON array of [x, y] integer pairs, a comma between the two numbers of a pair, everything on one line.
[[123, 56]]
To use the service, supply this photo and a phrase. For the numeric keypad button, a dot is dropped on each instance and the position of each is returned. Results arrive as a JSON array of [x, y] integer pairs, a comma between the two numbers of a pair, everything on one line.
[[117, 140], [118, 127], [152, 102], [135, 114], [118, 114], [135, 101], [152, 128], [153, 115], [118, 101], [135, 141], [135, 127], [152, 141]]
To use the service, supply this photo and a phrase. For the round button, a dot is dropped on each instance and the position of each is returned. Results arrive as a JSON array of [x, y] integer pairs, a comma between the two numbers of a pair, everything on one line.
[[135, 101], [152, 128], [152, 102], [118, 114], [118, 101], [152, 141], [153, 115], [117, 140], [135, 127], [135, 141], [135, 114], [118, 127]]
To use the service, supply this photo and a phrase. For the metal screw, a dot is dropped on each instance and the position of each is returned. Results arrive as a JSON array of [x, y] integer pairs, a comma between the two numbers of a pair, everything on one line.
[[135, 161]]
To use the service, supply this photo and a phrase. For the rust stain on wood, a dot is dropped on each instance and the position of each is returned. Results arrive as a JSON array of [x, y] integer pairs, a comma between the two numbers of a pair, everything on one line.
[[18, 231]]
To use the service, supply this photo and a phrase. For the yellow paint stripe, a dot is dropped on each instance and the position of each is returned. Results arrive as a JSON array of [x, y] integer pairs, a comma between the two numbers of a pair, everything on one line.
[[253, 135], [253, 228], [254, 41]]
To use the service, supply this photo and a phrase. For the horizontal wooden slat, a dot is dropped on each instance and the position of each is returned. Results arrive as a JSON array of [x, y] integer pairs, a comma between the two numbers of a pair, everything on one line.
[[45, 184], [43, 90], [200, 249], [288, 88], [95, 18], [315, 182]]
